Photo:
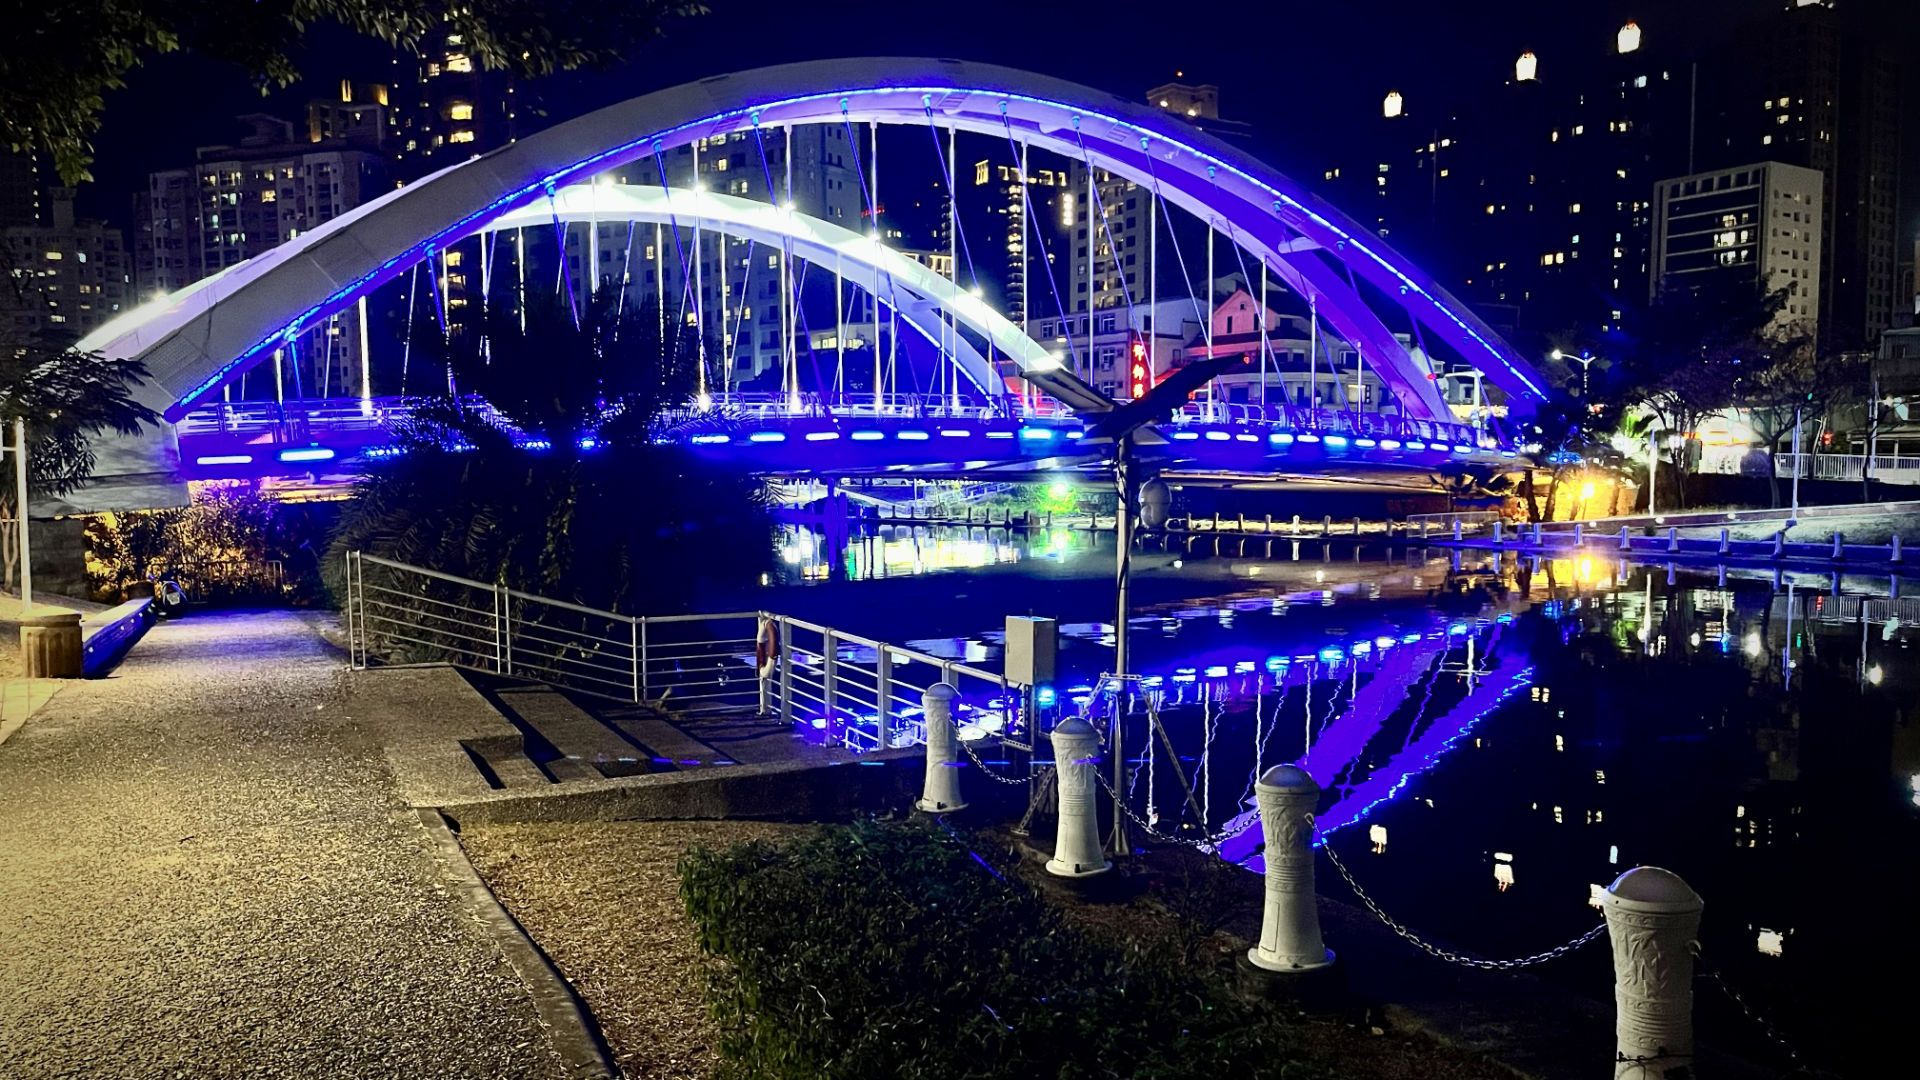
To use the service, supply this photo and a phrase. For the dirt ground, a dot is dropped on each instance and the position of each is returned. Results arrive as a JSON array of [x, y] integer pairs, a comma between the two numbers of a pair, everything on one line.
[[602, 898]]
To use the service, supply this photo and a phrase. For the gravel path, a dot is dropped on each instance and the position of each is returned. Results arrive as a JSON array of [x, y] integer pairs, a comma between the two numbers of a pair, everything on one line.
[[603, 900], [204, 873]]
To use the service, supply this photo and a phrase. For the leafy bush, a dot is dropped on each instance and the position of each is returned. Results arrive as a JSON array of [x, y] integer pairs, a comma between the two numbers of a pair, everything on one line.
[[884, 950]]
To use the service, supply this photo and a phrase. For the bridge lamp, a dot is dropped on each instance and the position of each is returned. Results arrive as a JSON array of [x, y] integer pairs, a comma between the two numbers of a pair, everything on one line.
[[1393, 106]]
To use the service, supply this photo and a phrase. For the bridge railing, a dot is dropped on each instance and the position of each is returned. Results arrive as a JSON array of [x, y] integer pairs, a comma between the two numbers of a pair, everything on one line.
[[851, 690]]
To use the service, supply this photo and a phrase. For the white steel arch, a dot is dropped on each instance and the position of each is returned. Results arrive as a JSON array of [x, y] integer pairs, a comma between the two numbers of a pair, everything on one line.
[[1313, 248], [917, 293]]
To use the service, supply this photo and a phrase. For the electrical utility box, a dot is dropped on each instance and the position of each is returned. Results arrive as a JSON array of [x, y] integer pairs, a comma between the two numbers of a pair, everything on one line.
[[1032, 644]]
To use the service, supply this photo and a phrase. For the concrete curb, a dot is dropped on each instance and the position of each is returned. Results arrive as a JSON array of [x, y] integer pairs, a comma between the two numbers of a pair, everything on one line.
[[576, 1038]]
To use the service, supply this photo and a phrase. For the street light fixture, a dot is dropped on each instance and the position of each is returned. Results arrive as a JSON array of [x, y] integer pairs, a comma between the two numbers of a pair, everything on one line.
[[1585, 359]]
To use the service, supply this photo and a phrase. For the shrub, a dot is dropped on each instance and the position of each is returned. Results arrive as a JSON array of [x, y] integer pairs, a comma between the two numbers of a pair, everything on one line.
[[892, 950]]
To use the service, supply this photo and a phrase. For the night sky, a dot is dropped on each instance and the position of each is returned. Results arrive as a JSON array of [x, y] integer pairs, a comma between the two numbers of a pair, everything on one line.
[[1301, 74]]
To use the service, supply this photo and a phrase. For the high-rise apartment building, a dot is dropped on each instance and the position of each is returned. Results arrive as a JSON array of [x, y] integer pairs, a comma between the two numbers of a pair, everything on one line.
[[236, 202], [1013, 227], [447, 108], [1760, 223], [66, 275], [1822, 91]]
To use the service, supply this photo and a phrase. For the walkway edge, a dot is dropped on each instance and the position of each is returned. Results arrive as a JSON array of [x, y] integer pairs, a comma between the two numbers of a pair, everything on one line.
[[576, 1038]]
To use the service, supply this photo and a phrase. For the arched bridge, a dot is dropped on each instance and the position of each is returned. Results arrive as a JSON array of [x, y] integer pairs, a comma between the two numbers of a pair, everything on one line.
[[1398, 320]]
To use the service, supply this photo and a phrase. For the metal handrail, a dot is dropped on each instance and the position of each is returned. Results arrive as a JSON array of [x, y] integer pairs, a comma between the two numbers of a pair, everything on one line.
[[413, 614]]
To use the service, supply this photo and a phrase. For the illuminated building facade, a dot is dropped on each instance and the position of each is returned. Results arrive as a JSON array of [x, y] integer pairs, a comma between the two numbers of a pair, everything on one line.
[[1762, 223], [236, 202], [69, 275]]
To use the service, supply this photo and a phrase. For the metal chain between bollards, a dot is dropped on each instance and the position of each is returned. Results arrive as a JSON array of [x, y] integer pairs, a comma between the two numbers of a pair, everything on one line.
[[1707, 971], [1205, 844], [982, 766], [1436, 951]]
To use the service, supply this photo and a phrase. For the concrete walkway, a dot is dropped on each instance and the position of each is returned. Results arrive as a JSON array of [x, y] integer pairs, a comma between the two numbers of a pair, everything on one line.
[[204, 872]]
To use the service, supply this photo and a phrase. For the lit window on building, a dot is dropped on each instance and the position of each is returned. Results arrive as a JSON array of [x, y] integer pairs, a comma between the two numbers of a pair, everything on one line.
[[460, 110]]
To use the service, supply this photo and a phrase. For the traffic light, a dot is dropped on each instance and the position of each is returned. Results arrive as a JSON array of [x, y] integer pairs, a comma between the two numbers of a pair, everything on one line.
[[1139, 368]]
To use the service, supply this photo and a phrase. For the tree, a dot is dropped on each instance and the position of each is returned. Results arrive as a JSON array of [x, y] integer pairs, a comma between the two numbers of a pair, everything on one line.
[[59, 60], [1684, 355], [66, 398], [1792, 381]]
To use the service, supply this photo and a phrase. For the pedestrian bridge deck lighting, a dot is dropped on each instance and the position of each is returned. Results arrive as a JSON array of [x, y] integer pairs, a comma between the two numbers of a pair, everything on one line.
[[713, 440], [767, 436], [1036, 434], [822, 436], [868, 436], [1186, 436], [1389, 444], [224, 459], [307, 453], [1336, 440], [911, 436], [1218, 436], [1305, 437], [954, 433], [1280, 438]]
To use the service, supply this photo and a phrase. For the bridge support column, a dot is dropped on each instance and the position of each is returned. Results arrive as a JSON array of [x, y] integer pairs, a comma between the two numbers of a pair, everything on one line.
[[941, 791], [1290, 938], [1076, 845], [1652, 920]]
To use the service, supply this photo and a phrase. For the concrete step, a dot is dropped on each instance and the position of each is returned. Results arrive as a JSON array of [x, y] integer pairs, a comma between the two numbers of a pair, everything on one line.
[[667, 746], [507, 760], [584, 747]]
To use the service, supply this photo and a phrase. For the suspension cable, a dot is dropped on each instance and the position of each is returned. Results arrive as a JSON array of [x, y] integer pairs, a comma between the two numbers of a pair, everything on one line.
[[1026, 199], [560, 250]]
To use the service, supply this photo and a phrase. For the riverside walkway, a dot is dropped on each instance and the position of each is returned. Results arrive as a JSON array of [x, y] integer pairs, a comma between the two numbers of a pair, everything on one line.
[[204, 871]]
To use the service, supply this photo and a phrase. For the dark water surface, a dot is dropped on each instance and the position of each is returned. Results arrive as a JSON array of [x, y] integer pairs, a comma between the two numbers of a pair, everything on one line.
[[1500, 737]]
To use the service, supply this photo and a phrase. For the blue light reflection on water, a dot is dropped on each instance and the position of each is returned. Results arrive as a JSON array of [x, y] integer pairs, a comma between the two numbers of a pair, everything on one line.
[[1619, 721]]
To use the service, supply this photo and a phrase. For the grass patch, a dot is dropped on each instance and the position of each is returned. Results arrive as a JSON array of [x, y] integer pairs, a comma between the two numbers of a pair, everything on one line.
[[892, 949]]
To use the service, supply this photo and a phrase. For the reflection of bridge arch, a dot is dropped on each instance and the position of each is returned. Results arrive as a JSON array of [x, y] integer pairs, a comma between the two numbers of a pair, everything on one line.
[[917, 293], [1353, 280]]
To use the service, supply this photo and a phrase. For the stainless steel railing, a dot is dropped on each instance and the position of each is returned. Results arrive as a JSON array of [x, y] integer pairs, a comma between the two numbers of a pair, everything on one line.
[[852, 690]]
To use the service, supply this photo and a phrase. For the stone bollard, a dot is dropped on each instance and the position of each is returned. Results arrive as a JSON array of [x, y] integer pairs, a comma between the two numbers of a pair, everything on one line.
[[1456, 528], [1268, 527], [1652, 919], [1296, 523], [941, 792], [1579, 535], [1496, 532], [1673, 539], [1356, 526], [1779, 543], [1076, 846], [1290, 923], [1839, 544], [1326, 525], [50, 643], [1626, 539], [1893, 548]]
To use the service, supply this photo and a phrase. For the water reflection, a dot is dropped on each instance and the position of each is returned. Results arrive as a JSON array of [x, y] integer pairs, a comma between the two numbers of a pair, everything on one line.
[[1501, 736]]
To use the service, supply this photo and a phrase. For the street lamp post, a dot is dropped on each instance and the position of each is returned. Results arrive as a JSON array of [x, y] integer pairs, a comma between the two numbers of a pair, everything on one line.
[[1585, 360]]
